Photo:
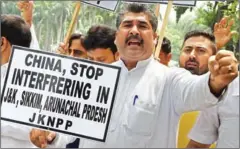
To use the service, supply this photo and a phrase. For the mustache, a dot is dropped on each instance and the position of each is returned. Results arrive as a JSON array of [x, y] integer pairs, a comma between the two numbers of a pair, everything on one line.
[[192, 70], [192, 60], [134, 37]]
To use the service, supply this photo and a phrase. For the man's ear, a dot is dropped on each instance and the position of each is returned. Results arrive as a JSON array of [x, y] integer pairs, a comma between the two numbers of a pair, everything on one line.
[[116, 56], [169, 56], [115, 37], [155, 39], [4, 44], [155, 36]]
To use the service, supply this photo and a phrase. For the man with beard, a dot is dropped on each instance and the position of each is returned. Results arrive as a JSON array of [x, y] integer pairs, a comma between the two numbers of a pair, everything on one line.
[[151, 97], [197, 48]]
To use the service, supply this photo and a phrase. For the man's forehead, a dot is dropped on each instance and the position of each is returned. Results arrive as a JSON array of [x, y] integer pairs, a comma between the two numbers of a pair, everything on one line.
[[198, 38], [76, 41], [198, 41], [100, 51], [135, 17]]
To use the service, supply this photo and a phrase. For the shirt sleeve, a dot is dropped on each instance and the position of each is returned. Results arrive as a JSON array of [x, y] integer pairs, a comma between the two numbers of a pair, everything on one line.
[[190, 92], [9, 129], [205, 130], [15, 131], [34, 43]]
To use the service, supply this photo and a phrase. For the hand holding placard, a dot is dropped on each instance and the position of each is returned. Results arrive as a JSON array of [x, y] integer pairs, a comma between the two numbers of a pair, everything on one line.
[[58, 93], [41, 138]]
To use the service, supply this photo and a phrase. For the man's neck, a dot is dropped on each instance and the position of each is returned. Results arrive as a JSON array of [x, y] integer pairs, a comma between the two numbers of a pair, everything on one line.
[[130, 64]]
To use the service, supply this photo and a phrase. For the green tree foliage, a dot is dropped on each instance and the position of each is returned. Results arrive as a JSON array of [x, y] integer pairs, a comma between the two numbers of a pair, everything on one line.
[[214, 12], [206, 15], [179, 12], [176, 32], [52, 18]]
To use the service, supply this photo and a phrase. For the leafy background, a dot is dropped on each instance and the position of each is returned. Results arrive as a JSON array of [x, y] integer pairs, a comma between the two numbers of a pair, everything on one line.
[[51, 20]]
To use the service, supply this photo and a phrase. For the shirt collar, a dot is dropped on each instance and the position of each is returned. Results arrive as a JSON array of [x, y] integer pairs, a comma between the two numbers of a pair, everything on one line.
[[140, 64], [235, 86]]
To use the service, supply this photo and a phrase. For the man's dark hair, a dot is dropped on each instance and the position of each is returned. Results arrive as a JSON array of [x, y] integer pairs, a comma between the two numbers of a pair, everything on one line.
[[138, 8], [100, 36], [197, 33], [73, 37], [15, 30], [166, 45]]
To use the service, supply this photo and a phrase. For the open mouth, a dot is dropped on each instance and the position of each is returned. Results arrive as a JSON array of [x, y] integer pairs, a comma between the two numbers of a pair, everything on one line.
[[134, 43]]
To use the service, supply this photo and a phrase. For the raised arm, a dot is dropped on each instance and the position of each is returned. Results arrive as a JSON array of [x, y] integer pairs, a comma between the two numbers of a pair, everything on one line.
[[190, 92]]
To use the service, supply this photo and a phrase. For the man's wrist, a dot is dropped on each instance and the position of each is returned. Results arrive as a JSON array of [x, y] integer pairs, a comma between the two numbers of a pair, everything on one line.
[[215, 88], [219, 46]]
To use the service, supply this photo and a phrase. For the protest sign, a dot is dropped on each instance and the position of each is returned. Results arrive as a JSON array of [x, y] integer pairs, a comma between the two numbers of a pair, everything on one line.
[[59, 93], [175, 2], [109, 5]]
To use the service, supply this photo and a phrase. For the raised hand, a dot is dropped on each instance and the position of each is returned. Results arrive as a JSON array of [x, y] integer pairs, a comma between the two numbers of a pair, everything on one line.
[[62, 49], [26, 8], [222, 32]]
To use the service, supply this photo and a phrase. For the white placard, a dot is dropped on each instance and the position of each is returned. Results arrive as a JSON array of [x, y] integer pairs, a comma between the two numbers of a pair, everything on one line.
[[175, 2], [59, 93], [109, 5]]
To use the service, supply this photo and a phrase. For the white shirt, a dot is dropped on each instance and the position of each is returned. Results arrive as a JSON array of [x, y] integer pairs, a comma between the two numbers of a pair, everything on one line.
[[163, 95], [221, 122], [13, 135], [34, 42], [173, 63]]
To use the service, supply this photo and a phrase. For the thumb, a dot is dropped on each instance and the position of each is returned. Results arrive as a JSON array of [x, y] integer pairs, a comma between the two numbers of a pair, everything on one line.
[[51, 136], [213, 66]]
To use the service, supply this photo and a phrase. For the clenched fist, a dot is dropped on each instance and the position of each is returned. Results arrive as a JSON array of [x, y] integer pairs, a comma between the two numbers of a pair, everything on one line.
[[224, 69], [26, 8]]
